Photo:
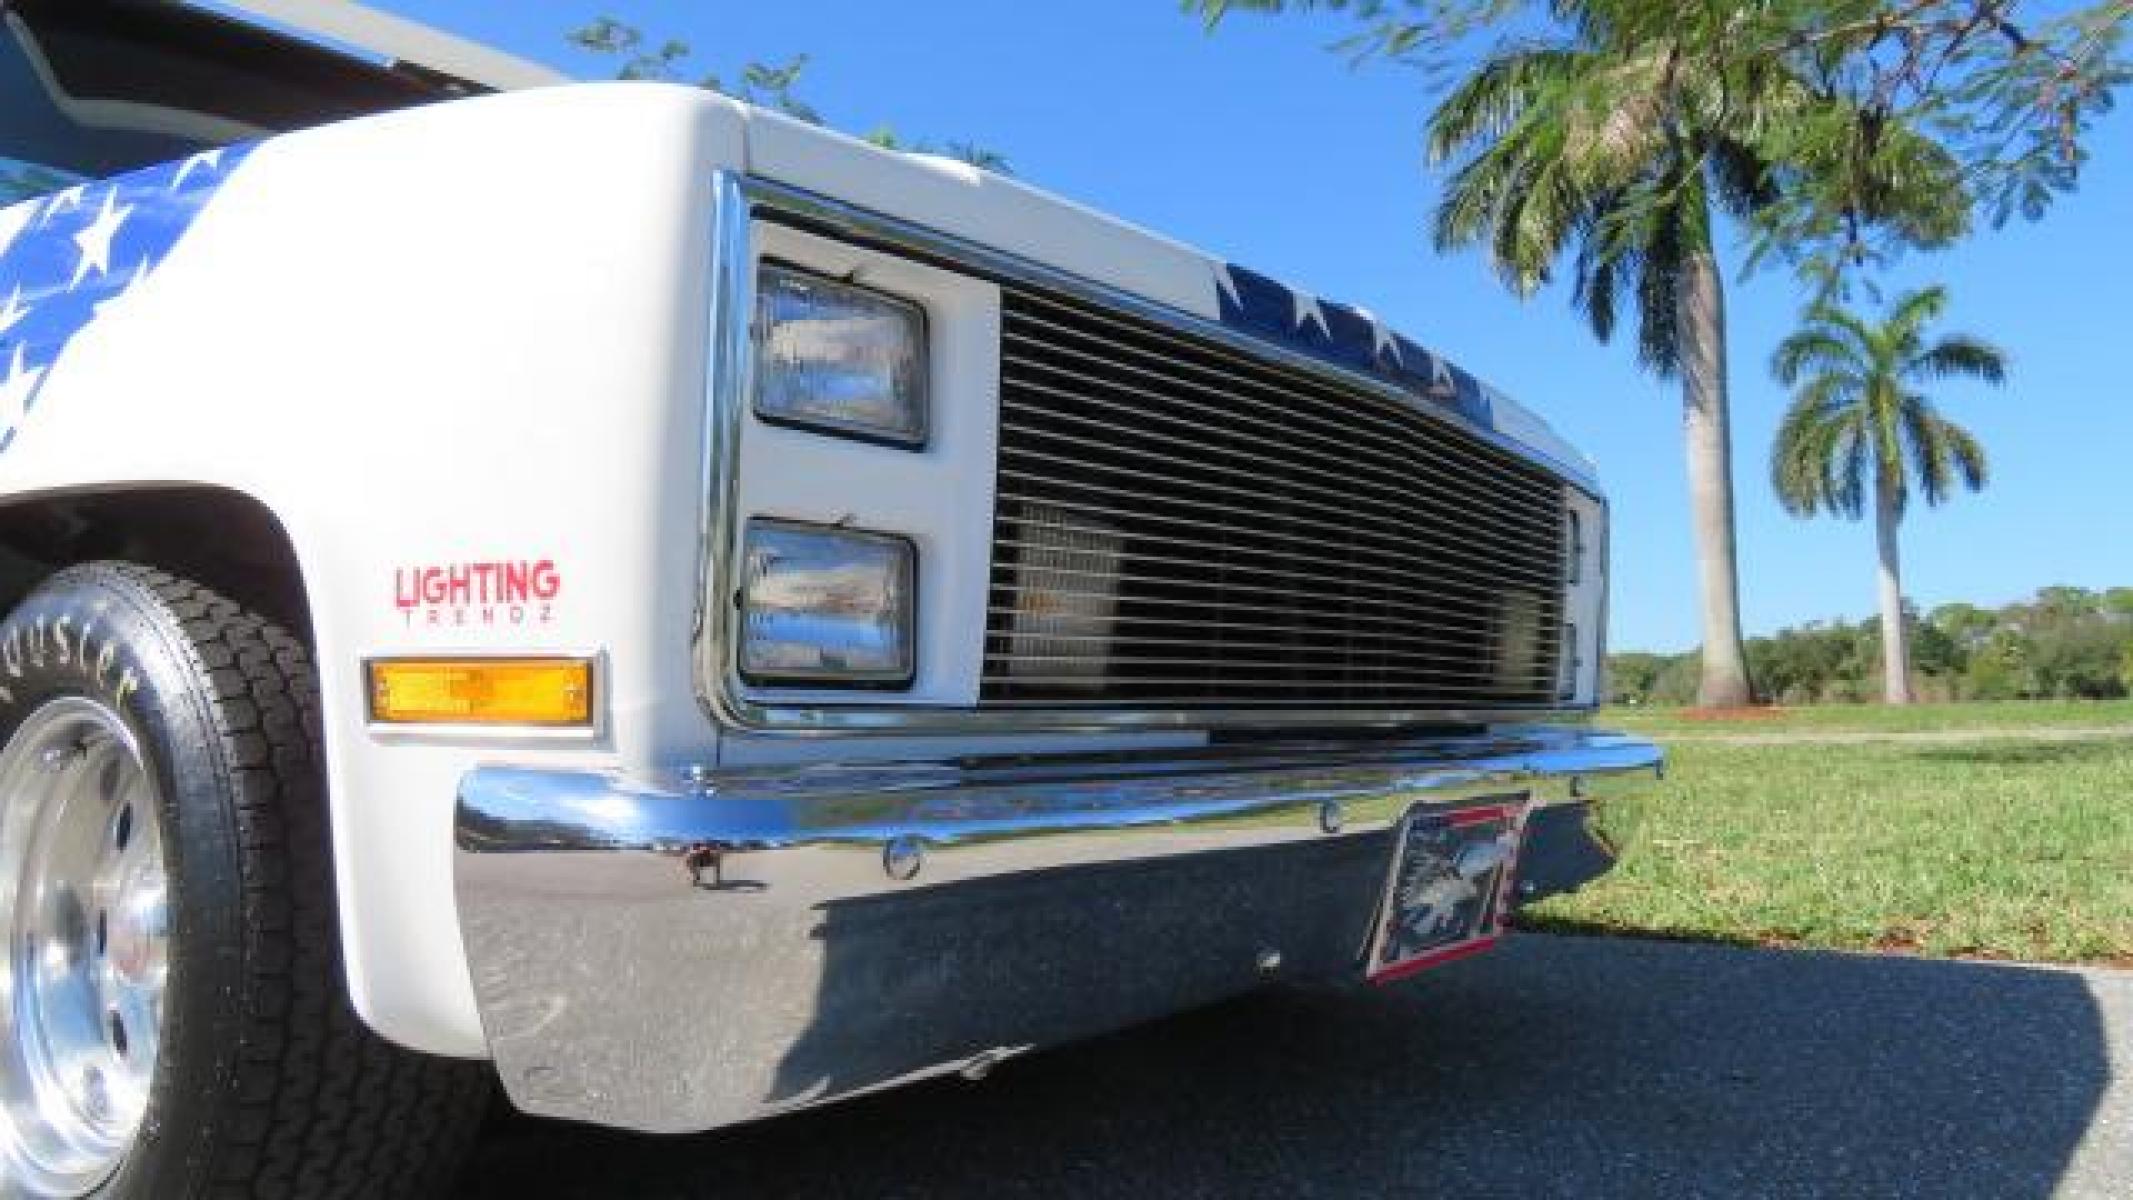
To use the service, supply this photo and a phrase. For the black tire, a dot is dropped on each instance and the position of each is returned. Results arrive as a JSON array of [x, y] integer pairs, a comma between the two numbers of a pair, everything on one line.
[[267, 1084]]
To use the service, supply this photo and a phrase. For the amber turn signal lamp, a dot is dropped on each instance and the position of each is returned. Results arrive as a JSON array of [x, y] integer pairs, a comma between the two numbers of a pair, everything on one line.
[[555, 692]]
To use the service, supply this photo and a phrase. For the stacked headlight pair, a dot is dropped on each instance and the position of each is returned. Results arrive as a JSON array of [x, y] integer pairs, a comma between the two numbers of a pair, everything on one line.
[[829, 606]]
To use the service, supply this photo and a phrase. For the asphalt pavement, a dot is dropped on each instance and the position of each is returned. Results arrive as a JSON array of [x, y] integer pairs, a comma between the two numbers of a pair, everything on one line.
[[1551, 1067]]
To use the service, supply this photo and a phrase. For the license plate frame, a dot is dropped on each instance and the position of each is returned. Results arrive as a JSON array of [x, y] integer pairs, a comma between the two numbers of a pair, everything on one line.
[[1448, 888]]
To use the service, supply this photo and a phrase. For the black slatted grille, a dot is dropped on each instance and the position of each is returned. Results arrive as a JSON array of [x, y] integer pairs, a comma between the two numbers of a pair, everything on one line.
[[1183, 525]]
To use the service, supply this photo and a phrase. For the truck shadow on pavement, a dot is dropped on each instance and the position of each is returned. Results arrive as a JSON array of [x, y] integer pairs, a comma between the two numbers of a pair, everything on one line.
[[1556, 1066]]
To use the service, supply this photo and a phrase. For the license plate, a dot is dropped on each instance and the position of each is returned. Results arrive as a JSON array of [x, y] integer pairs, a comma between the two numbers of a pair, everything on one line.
[[1450, 883]]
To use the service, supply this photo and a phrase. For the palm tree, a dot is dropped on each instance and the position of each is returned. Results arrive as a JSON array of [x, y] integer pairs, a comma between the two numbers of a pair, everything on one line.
[[1859, 420], [1611, 141]]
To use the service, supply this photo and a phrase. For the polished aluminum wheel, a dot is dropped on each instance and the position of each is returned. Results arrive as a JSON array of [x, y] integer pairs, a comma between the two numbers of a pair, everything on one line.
[[84, 903]]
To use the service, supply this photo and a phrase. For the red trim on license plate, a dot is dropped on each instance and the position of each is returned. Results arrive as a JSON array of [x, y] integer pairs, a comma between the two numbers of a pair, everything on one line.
[[1415, 966]]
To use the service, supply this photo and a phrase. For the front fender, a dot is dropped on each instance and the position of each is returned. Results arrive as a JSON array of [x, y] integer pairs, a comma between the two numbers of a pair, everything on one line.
[[461, 335]]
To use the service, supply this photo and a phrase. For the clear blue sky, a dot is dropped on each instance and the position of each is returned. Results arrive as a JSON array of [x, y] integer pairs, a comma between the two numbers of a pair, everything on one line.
[[1259, 145]]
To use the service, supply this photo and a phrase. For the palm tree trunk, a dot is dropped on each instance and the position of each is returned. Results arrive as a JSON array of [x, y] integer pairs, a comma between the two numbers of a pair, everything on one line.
[[1895, 639], [1707, 427]]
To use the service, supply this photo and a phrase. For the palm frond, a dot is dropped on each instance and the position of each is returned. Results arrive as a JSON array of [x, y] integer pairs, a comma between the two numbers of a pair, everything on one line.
[[1969, 453], [1814, 350], [1851, 466], [1916, 310], [1471, 197], [1931, 457], [1812, 463], [1944, 454], [1536, 222], [1844, 325], [1660, 266], [1799, 460], [1741, 180], [1960, 356], [1492, 100], [1598, 278]]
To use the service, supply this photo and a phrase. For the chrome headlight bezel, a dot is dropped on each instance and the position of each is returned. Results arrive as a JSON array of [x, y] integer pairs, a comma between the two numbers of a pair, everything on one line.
[[798, 405], [897, 558]]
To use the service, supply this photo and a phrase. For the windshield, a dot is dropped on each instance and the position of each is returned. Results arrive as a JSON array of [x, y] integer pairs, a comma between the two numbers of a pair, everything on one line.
[[93, 88]]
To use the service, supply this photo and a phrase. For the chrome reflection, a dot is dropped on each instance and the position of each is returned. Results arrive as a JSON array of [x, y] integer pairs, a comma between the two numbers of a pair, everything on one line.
[[84, 905], [676, 954]]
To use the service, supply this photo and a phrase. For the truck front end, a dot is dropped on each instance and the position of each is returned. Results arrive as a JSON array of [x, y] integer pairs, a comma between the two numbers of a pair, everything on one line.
[[1086, 629]]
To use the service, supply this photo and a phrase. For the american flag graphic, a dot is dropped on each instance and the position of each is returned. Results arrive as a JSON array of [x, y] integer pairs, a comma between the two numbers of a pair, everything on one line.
[[69, 257], [1345, 335]]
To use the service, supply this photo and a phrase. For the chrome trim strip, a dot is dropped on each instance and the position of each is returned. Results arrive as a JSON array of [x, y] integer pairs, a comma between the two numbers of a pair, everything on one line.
[[737, 201], [674, 954]]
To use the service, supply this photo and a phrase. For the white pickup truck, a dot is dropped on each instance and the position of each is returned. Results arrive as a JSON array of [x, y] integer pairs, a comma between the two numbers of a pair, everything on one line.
[[689, 616]]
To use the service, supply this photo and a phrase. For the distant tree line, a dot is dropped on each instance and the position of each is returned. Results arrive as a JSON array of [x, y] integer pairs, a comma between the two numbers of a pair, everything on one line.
[[2064, 643]]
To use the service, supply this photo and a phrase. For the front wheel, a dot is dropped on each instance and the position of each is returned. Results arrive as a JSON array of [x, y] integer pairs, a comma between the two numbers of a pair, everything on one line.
[[172, 1017]]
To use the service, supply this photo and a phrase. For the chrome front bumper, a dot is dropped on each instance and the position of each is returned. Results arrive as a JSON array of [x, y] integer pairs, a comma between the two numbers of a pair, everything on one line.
[[676, 955]]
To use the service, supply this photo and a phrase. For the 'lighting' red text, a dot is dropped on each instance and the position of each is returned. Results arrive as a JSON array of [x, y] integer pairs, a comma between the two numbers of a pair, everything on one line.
[[503, 592]]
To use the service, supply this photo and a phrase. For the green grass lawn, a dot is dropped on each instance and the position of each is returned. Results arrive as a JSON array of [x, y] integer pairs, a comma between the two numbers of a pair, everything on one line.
[[1881, 718], [2005, 848]]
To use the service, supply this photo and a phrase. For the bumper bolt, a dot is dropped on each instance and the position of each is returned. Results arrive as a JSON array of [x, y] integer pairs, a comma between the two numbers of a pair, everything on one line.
[[1330, 816], [903, 857]]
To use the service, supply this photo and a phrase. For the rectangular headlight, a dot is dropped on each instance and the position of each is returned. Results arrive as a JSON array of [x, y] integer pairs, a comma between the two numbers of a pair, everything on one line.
[[839, 358], [826, 606]]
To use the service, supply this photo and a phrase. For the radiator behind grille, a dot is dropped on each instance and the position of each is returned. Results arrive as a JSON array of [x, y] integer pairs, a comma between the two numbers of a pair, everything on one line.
[[1183, 525]]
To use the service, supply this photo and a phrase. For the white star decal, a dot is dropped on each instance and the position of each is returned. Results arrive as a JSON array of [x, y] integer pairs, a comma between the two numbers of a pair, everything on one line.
[[210, 160], [1307, 309], [1440, 378], [15, 393], [12, 222], [1384, 343], [12, 312], [1227, 286], [59, 203], [94, 239]]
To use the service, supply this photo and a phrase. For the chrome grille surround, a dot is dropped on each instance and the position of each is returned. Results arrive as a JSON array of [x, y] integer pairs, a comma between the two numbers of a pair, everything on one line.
[[1184, 524], [739, 202]]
